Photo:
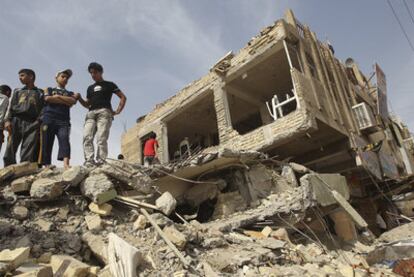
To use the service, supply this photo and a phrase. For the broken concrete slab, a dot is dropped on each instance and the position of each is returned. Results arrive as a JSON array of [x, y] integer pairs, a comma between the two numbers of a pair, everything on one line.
[[93, 222], [199, 193], [166, 203], [97, 245], [267, 231], [175, 236], [15, 257], [74, 175], [98, 188], [103, 209], [321, 193], [46, 189], [64, 265]]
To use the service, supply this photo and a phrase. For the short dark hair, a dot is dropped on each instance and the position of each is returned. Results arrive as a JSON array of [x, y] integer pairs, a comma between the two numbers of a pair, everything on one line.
[[5, 88], [29, 72], [120, 157], [95, 66], [153, 135]]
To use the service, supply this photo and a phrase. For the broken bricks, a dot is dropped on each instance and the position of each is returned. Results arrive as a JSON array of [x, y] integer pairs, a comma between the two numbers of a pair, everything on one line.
[[74, 175], [15, 257], [103, 209], [98, 188]]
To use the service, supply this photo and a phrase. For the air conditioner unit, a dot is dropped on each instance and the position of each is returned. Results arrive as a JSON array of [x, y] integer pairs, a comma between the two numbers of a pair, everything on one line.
[[364, 116]]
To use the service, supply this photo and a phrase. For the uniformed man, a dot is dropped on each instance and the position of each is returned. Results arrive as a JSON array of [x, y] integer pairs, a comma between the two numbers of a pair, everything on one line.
[[23, 120]]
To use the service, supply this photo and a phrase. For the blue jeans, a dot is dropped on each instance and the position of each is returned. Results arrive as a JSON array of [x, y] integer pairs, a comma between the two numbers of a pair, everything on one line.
[[50, 130]]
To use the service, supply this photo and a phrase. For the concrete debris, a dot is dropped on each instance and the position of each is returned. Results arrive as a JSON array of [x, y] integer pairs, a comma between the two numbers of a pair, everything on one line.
[[103, 209], [245, 229], [98, 188], [74, 175], [46, 189], [22, 184], [166, 203], [20, 212], [140, 223], [93, 222], [16, 257], [175, 237], [63, 265]]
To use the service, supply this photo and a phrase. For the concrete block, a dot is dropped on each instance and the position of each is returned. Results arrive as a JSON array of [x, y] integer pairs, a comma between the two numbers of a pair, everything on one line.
[[22, 184], [67, 266], [103, 209], [140, 223], [97, 245], [45, 258], [166, 203], [93, 222], [33, 270], [98, 188], [25, 168], [15, 257], [321, 193], [267, 231], [228, 203], [20, 212], [44, 225], [46, 189], [75, 175], [175, 236]]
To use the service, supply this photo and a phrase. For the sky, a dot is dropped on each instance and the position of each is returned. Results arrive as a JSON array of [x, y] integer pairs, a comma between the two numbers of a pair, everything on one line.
[[152, 49]]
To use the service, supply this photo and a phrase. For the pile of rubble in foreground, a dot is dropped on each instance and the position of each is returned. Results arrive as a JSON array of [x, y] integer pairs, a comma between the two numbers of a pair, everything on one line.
[[80, 223]]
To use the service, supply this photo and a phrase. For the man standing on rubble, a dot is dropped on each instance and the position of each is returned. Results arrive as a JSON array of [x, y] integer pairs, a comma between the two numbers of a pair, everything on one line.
[[22, 120], [99, 118], [5, 92], [56, 119]]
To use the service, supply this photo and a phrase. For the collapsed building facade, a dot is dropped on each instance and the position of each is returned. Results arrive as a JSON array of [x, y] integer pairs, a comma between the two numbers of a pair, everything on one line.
[[284, 94]]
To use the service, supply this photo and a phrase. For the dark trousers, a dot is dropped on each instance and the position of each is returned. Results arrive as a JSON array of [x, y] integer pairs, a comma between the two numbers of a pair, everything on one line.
[[26, 134], [49, 132]]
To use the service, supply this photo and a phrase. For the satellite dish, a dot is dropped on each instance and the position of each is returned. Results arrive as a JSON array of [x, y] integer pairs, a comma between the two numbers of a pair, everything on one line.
[[349, 63]]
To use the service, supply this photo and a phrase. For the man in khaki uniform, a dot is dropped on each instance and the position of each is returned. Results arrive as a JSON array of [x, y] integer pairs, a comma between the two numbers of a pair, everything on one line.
[[99, 118]]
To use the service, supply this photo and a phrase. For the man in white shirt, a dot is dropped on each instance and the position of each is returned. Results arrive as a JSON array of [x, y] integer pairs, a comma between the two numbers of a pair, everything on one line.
[[5, 92]]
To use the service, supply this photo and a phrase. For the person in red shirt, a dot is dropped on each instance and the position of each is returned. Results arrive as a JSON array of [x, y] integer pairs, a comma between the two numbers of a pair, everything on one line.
[[150, 149]]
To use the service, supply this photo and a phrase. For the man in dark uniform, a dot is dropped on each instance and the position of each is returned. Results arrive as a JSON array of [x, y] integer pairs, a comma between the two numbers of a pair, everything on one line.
[[23, 120]]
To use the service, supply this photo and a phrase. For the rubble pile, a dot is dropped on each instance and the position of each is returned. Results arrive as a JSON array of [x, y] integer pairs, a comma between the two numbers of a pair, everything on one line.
[[113, 220]]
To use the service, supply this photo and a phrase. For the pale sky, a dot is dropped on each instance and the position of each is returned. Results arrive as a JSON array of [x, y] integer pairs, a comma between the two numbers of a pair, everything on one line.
[[152, 49]]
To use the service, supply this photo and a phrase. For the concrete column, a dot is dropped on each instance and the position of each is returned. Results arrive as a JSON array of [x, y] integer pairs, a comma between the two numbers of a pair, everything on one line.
[[221, 106], [344, 226], [165, 157]]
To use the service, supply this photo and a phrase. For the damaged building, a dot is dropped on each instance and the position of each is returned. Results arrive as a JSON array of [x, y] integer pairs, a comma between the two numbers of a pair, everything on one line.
[[281, 161], [286, 95]]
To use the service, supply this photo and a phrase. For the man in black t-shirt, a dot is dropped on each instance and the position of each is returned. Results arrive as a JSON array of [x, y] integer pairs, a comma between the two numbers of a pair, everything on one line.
[[99, 118], [56, 119]]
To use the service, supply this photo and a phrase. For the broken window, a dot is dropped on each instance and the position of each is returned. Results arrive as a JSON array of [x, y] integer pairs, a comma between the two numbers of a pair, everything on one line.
[[262, 94], [192, 128]]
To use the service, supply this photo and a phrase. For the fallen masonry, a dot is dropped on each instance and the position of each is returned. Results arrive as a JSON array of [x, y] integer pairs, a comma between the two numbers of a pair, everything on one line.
[[278, 173], [225, 227]]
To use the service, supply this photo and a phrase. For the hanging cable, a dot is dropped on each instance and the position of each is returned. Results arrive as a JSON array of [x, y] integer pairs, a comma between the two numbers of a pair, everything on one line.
[[401, 26], [409, 11]]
